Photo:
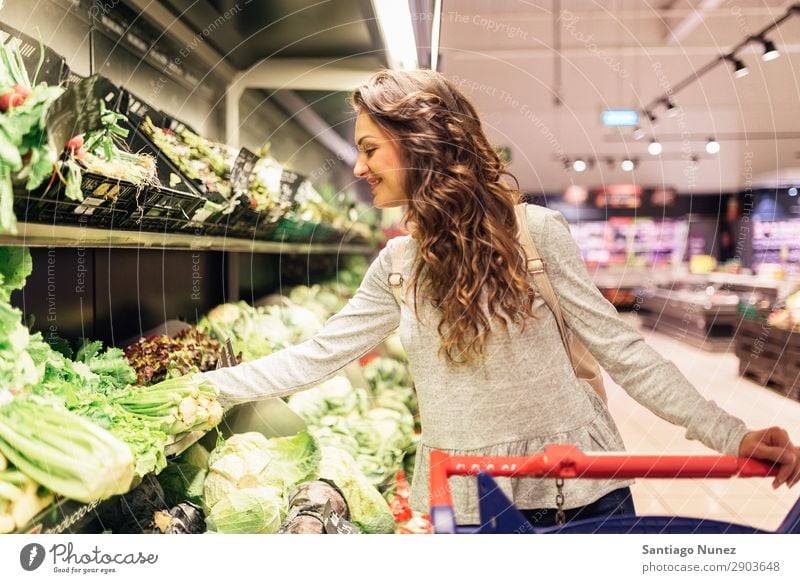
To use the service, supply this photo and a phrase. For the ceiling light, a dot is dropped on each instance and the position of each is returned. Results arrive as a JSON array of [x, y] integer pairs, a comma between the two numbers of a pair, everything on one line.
[[793, 191], [627, 165], [739, 68], [435, 34], [654, 147], [672, 109], [770, 52], [579, 165], [394, 21], [650, 116], [638, 133], [712, 146]]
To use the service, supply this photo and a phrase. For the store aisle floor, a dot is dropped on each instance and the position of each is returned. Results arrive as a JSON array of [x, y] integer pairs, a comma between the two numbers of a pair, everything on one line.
[[747, 501]]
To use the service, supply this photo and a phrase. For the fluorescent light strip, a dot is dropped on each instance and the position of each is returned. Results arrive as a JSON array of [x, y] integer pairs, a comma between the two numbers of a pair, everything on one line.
[[435, 32], [394, 20]]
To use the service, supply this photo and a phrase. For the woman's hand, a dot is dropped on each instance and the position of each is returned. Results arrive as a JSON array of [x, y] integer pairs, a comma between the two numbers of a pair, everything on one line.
[[773, 445]]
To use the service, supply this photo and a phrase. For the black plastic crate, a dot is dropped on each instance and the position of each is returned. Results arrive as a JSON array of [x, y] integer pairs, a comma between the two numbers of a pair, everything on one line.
[[54, 69], [105, 204], [137, 110], [242, 222], [162, 210]]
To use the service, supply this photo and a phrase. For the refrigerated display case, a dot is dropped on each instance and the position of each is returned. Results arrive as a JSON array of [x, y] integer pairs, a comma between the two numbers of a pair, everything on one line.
[[704, 310]]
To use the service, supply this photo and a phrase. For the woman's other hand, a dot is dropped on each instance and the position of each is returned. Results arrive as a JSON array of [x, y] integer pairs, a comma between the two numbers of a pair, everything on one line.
[[773, 445]]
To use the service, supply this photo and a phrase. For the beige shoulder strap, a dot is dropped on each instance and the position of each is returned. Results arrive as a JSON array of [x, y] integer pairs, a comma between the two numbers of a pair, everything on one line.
[[397, 254], [536, 268]]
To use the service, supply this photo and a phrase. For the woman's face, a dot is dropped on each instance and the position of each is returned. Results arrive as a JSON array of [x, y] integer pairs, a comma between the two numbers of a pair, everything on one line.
[[380, 162]]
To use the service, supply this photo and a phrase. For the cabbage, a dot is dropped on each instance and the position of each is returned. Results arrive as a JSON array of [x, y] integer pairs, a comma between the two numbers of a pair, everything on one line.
[[239, 471], [368, 510], [335, 396], [238, 443], [295, 459], [250, 460], [385, 429], [334, 437], [303, 322], [387, 372], [310, 405], [252, 511]]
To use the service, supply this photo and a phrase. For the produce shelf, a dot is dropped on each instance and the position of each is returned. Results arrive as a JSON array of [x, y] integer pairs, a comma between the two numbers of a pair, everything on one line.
[[41, 235]]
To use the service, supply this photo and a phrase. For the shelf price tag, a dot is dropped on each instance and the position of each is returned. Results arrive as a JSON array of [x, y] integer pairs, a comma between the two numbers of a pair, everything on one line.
[[242, 172], [290, 183]]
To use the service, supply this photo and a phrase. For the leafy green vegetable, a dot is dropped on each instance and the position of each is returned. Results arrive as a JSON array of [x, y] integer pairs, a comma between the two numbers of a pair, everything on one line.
[[111, 363], [196, 456], [18, 369], [177, 405], [250, 460], [182, 482], [73, 187], [258, 332], [20, 499], [62, 451], [239, 443], [368, 510], [251, 511], [157, 358], [295, 458], [15, 267]]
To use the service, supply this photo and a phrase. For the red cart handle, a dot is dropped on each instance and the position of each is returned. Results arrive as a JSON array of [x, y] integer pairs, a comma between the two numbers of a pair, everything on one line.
[[567, 461]]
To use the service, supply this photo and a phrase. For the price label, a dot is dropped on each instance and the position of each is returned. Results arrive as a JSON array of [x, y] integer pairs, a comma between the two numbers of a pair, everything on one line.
[[242, 172], [334, 524], [290, 183]]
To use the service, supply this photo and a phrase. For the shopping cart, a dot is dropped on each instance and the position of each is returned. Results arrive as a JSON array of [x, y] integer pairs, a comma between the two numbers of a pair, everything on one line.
[[499, 515]]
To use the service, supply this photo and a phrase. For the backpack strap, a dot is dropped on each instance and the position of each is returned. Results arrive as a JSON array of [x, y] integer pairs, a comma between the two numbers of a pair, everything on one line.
[[396, 255], [536, 268]]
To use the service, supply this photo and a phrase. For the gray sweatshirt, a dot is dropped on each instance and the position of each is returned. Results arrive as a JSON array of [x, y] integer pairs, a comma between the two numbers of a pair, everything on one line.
[[522, 396]]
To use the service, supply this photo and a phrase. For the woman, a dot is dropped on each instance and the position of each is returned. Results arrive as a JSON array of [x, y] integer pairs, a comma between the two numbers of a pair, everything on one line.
[[491, 373]]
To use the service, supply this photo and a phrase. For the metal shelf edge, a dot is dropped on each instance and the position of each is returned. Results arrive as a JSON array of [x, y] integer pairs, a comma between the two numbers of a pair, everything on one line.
[[38, 235]]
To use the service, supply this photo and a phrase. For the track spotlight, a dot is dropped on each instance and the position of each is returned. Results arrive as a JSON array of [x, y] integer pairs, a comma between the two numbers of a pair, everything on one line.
[[638, 133], [712, 146], [770, 52], [739, 68], [672, 109]]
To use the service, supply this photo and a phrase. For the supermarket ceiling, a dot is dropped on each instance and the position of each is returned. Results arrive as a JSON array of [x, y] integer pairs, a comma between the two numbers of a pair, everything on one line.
[[249, 31], [542, 71]]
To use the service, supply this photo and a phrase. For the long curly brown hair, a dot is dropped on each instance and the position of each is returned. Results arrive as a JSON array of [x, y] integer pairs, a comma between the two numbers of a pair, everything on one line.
[[460, 209]]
